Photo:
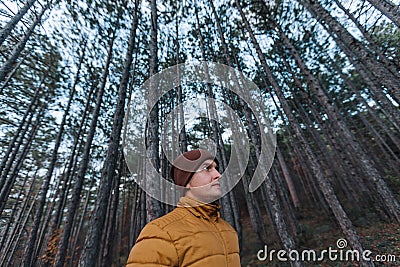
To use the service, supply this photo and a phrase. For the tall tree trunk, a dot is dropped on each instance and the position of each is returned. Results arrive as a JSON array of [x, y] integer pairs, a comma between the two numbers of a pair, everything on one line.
[[73, 245], [182, 128], [230, 209], [269, 185], [5, 32], [29, 260], [14, 144], [153, 206], [8, 65], [90, 252], [390, 65], [84, 163], [288, 178], [389, 9], [110, 236], [345, 135], [323, 181], [369, 68]]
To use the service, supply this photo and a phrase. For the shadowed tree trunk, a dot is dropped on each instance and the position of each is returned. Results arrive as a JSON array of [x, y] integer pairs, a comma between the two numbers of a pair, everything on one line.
[[15, 143], [369, 68], [8, 65], [153, 206], [84, 163], [389, 9], [5, 32], [322, 180], [29, 260], [110, 233], [91, 250], [345, 136]]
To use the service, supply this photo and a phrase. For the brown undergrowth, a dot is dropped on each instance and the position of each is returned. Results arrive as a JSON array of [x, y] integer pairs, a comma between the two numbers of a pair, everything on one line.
[[319, 233]]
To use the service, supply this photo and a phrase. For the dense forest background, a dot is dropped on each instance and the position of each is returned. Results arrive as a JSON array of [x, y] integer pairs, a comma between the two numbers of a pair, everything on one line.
[[330, 70]]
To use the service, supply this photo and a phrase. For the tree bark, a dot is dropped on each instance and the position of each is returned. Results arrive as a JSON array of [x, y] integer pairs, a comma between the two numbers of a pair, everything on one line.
[[17, 139], [345, 135], [153, 206], [323, 182], [8, 65], [389, 9], [29, 260], [369, 68], [84, 163], [91, 250], [5, 32]]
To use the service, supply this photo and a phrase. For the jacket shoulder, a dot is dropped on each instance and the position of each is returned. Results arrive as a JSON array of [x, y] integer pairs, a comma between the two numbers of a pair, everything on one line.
[[154, 247], [177, 215]]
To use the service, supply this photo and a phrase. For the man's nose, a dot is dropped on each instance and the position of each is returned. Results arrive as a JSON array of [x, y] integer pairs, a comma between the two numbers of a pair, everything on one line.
[[216, 174]]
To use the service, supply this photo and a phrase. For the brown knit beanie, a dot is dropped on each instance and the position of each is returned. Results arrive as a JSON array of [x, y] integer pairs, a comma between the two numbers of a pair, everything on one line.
[[187, 163]]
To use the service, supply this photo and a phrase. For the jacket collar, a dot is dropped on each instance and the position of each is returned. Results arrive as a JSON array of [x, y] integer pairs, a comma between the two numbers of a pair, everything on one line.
[[208, 211]]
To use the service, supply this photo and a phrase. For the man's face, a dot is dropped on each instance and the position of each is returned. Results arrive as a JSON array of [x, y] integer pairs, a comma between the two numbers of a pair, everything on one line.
[[204, 184]]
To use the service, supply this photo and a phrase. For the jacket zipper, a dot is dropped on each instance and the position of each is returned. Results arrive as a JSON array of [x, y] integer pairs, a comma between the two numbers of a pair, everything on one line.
[[223, 243]]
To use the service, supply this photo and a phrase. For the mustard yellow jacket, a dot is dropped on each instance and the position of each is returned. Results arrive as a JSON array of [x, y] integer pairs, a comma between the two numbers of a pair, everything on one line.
[[192, 235]]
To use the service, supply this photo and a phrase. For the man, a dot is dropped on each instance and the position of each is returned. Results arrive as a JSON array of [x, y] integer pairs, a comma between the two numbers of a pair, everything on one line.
[[193, 234]]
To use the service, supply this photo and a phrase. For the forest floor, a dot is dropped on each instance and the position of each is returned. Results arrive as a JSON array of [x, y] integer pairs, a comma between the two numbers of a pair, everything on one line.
[[319, 233]]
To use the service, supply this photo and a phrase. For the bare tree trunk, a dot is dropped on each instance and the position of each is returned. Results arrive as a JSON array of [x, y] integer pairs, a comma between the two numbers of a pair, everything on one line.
[[153, 206], [84, 163], [29, 260], [18, 221], [323, 182], [369, 68], [77, 231], [110, 236], [269, 185], [5, 32], [288, 178], [8, 65], [90, 252], [389, 9], [182, 129], [346, 136], [14, 144]]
